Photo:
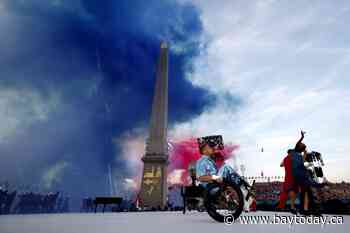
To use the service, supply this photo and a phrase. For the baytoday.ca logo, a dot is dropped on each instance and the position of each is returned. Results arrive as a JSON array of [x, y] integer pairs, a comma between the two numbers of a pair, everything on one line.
[[284, 219]]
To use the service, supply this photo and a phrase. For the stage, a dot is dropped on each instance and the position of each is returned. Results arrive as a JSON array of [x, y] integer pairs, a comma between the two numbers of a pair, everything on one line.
[[151, 222]]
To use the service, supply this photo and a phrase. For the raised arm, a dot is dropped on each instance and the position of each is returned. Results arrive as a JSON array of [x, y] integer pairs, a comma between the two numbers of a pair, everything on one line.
[[302, 137]]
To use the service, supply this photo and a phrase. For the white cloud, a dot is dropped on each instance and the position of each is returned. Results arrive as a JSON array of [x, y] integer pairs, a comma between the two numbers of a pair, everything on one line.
[[54, 174], [289, 64], [287, 71], [20, 108], [132, 145]]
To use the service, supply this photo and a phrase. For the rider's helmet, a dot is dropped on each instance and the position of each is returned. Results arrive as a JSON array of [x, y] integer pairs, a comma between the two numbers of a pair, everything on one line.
[[214, 141]]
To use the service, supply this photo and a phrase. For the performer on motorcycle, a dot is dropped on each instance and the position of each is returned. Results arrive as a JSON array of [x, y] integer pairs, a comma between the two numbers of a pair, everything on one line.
[[224, 188], [206, 169]]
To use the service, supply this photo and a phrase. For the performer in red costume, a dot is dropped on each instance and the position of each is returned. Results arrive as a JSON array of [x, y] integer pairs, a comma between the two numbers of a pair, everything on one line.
[[290, 189]]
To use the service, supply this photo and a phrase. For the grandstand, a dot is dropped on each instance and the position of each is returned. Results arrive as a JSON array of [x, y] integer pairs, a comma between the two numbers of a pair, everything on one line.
[[333, 199]]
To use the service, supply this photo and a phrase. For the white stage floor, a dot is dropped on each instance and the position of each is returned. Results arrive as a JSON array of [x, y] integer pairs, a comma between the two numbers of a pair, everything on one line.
[[151, 222]]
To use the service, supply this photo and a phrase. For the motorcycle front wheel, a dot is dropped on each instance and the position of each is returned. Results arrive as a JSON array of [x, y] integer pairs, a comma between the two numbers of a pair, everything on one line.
[[224, 200]]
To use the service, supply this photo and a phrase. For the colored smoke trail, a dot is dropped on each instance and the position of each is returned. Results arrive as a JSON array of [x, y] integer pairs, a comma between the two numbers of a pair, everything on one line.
[[182, 153], [185, 152]]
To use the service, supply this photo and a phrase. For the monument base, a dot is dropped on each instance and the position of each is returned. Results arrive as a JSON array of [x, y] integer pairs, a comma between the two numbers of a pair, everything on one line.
[[154, 182]]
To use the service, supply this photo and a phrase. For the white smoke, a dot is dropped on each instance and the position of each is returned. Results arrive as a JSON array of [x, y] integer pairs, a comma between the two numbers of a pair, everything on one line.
[[54, 174]]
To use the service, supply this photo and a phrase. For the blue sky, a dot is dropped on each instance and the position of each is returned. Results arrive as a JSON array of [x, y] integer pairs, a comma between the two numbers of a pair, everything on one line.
[[76, 83]]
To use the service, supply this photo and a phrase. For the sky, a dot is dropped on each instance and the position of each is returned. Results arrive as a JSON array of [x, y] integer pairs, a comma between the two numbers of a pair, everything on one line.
[[285, 66], [77, 79]]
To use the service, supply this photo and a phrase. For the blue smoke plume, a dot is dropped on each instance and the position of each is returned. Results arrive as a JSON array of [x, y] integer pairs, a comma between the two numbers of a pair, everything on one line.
[[76, 74]]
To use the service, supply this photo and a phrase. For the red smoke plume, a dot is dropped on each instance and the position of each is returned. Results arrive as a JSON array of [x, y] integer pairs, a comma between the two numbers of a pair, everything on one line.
[[186, 151]]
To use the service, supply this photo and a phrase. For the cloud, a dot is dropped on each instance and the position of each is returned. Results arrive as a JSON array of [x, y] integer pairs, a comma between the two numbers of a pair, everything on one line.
[[54, 174], [21, 107], [285, 65], [132, 144]]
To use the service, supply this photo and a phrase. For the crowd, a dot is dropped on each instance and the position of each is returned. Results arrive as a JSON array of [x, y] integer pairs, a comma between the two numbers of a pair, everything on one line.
[[6, 200], [268, 191], [337, 191], [267, 196], [332, 199], [30, 202], [271, 191]]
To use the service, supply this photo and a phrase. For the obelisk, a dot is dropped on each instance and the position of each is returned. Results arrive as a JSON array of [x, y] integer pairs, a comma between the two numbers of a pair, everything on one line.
[[154, 180]]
